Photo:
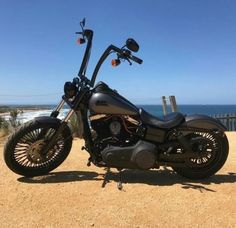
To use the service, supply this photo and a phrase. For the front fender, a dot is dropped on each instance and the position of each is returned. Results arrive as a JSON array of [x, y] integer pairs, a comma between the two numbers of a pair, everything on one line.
[[204, 122], [47, 119], [54, 121]]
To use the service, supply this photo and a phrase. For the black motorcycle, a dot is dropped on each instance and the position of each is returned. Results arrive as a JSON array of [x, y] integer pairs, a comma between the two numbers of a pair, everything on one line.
[[117, 134]]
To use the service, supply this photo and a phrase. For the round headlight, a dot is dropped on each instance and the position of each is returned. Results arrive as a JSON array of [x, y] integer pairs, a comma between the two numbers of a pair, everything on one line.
[[70, 89]]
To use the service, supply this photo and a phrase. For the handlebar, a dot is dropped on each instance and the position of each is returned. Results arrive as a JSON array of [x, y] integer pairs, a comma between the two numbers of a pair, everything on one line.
[[110, 49], [136, 59], [122, 52], [126, 54], [85, 33], [89, 36]]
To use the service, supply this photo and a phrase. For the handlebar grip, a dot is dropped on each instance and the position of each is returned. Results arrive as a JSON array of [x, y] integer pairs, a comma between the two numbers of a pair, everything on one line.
[[136, 59]]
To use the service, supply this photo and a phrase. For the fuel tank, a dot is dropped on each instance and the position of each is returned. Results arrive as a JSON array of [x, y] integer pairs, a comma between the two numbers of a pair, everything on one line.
[[104, 100]]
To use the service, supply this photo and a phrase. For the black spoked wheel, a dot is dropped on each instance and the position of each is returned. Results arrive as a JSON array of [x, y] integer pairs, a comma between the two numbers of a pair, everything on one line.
[[24, 151], [211, 153], [205, 146]]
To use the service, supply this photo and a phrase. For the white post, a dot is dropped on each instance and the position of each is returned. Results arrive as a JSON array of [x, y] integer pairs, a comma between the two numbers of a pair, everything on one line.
[[173, 103], [164, 107]]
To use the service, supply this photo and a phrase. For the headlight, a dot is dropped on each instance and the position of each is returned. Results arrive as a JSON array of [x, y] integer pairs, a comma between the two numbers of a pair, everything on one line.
[[70, 89]]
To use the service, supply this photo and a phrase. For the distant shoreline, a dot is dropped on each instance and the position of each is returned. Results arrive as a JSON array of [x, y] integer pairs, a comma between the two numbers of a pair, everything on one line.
[[2, 114], [26, 107]]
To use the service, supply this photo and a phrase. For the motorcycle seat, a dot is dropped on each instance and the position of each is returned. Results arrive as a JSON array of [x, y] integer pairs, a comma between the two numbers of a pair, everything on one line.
[[168, 121]]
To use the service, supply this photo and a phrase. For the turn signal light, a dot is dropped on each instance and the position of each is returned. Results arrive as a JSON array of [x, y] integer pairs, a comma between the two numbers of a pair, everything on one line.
[[80, 41], [115, 62]]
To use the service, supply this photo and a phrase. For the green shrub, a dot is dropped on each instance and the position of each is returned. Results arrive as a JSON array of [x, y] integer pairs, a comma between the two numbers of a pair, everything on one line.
[[4, 127], [8, 126], [13, 119], [3, 123]]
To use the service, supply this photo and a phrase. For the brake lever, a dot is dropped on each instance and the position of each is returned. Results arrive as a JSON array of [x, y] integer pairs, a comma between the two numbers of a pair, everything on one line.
[[130, 63], [126, 54], [122, 56]]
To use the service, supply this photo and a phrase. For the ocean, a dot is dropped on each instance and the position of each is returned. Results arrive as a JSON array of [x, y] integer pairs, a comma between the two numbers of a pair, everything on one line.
[[193, 109], [153, 109]]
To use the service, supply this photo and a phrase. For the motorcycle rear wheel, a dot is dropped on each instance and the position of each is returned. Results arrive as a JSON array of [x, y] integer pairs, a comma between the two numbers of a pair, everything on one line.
[[212, 160], [23, 152]]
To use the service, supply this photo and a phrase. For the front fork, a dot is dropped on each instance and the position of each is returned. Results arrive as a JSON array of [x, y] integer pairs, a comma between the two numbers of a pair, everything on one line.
[[57, 110], [54, 114], [86, 130]]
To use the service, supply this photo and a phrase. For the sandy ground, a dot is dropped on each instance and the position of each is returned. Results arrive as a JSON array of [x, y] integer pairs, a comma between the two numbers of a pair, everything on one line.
[[72, 196]]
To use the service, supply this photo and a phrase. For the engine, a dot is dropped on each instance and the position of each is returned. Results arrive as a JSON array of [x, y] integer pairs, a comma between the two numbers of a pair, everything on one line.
[[113, 130], [118, 146], [142, 155]]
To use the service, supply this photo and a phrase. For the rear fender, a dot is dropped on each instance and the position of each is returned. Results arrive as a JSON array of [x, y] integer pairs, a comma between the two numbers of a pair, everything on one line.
[[204, 122]]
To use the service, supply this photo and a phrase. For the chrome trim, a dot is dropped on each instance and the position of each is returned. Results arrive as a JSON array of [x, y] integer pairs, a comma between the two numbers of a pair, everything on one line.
[[60, 105], [97, 117], [133, 121], [68, 116]]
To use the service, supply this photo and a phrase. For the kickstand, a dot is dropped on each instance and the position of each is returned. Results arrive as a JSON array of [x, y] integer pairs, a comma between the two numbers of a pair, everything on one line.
[[119, 184], [105, 181]]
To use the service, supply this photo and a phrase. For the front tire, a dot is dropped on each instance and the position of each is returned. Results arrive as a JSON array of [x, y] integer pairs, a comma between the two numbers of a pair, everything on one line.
[[217, 148], [23, 152]]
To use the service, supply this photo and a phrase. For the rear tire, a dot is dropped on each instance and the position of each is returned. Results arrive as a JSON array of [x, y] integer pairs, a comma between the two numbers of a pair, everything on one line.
[[211, 167], [23, 152]]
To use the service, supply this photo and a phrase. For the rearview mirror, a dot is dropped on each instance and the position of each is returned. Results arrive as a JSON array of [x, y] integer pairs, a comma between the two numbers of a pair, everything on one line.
[[132, 45]]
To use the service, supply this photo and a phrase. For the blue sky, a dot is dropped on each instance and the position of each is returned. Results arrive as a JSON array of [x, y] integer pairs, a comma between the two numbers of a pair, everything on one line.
[[188, 48]]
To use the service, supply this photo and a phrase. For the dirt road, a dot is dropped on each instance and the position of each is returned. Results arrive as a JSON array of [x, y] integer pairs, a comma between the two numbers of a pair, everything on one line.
[[72, 196]]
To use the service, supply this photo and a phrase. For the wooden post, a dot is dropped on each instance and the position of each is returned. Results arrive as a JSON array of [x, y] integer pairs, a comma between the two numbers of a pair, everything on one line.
[[164, 107], [173, 103]]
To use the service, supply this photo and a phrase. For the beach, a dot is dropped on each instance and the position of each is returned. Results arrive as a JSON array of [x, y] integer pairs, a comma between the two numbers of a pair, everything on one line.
[[29, 114], [73, 196], [20, 111]]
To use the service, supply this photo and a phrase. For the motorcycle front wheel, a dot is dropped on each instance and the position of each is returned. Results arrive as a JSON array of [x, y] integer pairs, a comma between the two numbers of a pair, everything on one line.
[[24, 151], [211, 153]]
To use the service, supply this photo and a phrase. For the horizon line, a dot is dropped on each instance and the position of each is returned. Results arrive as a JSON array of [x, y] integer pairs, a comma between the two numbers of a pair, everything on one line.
[[54, 104]]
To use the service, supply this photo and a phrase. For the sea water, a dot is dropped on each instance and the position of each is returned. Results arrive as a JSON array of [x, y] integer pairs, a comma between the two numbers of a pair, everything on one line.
[[192, 109]]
